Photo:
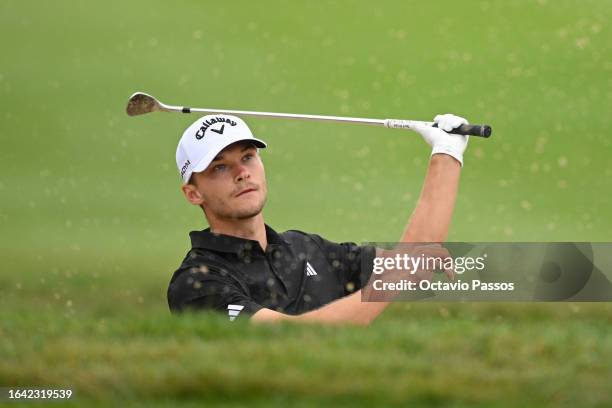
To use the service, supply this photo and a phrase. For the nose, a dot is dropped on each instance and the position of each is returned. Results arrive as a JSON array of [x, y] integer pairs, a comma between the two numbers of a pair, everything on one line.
[[242, 173]]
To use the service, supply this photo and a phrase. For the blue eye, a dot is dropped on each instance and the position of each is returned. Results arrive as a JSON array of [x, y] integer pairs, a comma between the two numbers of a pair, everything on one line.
[[247, 157], [219, 167]]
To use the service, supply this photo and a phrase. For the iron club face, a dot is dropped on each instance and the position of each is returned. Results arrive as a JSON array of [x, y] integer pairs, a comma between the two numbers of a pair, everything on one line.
[[141, 103]]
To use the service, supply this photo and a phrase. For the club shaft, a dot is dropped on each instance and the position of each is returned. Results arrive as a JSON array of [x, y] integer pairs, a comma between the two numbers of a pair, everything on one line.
[[474, 130], [380, 122], [390, 123]]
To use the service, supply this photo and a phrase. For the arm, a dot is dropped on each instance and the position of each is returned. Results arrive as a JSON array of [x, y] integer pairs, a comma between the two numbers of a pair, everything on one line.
[[431, 218], [429, 222], [347, 310]]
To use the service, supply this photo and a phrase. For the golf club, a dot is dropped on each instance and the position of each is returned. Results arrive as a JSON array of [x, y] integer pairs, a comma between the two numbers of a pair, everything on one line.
[[141, 103]]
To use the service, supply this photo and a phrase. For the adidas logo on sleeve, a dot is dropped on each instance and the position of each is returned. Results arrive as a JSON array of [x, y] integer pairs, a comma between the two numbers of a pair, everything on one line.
[[234, 311]]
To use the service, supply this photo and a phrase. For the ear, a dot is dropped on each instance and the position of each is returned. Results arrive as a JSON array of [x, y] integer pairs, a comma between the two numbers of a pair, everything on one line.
[[192, 194]]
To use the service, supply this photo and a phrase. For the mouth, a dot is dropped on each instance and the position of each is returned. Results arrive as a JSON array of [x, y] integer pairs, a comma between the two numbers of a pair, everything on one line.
[[246, 191]]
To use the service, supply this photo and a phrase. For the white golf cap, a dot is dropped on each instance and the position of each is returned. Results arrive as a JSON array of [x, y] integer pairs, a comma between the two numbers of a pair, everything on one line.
[[205, 138]]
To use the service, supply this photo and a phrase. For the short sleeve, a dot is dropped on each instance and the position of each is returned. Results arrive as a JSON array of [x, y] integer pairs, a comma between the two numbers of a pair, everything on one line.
[[209, 288], [351, 261]]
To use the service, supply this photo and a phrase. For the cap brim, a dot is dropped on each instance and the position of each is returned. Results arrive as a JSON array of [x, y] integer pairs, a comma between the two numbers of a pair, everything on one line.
[[206, 160]]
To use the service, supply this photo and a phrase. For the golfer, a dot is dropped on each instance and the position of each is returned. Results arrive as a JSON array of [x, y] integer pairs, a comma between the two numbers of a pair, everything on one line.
[[244, 268]]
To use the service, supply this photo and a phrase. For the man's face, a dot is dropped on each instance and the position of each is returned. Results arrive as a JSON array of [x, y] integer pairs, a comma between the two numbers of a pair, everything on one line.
[[234, 184]]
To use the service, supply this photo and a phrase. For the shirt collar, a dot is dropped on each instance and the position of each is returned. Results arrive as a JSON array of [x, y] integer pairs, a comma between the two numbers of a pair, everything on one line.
[[230, 244]]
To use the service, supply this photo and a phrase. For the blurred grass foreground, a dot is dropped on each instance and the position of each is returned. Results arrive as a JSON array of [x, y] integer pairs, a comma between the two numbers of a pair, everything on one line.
[[93, 223]]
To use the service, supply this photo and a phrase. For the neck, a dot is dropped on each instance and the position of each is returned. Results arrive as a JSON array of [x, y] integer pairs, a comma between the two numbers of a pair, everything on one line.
[[251, 228]]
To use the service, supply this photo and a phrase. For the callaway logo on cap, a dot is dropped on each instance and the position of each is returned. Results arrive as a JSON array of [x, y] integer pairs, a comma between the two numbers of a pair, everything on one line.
[[205, 138]]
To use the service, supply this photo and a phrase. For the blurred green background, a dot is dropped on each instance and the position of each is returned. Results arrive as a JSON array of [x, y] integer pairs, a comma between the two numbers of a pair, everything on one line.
[[93, 222]]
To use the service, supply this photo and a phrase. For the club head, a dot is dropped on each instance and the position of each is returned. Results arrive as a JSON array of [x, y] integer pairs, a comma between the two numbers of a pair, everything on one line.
[[141, 103]]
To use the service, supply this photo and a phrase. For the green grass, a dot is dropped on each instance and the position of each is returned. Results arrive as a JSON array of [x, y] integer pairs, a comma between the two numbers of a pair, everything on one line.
[[466, 355], [93, 223]]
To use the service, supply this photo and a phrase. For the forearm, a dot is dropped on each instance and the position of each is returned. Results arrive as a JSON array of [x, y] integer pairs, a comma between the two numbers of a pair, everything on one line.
[[347, 310], [431, 218]]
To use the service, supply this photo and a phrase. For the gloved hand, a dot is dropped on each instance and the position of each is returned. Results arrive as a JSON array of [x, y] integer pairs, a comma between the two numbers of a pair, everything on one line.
[[442, 142]]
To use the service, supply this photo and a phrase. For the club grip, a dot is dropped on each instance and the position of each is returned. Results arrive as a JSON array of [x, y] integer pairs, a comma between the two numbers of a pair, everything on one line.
[[471, 130]]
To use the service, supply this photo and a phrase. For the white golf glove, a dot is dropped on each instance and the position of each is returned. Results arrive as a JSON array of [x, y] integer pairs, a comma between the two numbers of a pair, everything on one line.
[[442, 142]]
